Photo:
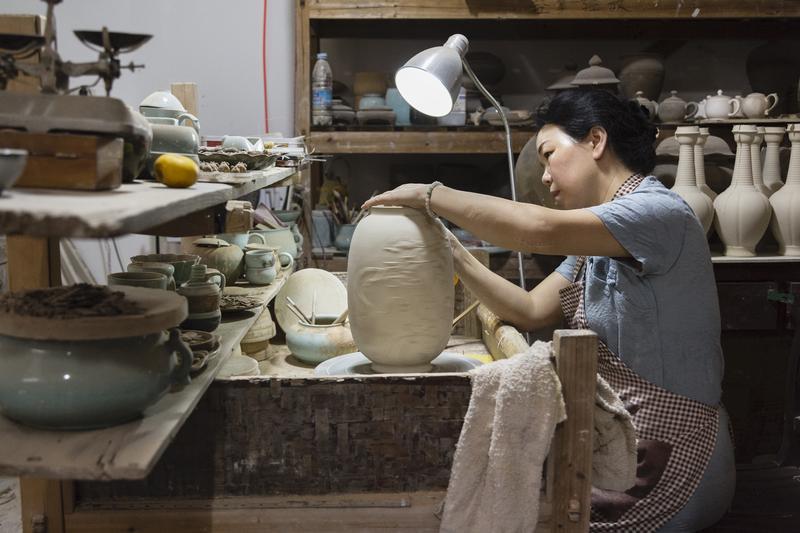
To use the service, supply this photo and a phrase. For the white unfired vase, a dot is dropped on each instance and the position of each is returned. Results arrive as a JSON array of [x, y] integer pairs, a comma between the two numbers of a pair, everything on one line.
[[755, 162], [400, 289], [773, 136], [786, 201], [700, 164], [685, 181], [743, 213]]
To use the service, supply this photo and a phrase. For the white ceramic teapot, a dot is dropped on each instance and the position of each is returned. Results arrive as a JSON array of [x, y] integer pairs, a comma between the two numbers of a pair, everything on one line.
[[650, 105], [674, 109], [721, 106], [757, 105]]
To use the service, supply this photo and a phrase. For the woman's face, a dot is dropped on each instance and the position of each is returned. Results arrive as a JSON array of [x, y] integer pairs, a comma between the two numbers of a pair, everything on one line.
[[569, 167]]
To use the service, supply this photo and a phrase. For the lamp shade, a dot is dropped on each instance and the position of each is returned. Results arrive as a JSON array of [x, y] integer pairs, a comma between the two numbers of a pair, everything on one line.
[[430, 80]]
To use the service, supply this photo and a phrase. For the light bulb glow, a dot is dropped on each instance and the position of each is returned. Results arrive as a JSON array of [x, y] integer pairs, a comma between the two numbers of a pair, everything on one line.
[[423, 91]]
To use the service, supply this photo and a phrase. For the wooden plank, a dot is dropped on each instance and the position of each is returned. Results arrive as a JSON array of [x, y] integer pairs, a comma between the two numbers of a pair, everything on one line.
[[41, 506], [550, 9], [415, 142], [33, 262], [126, 451], [302, 71], [132, 208], [723, 259], [188, 94], [571, 449], [409, 512]]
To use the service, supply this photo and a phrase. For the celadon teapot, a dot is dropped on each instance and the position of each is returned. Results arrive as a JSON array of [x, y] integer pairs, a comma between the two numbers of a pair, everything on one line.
[[721, 106]]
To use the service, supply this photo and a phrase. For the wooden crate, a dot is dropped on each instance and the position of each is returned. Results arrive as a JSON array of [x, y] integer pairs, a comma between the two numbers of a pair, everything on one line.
[[23, 25], [68, 161]]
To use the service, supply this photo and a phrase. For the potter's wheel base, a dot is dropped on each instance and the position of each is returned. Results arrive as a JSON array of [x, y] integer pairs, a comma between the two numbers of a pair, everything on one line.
[[357, 364]]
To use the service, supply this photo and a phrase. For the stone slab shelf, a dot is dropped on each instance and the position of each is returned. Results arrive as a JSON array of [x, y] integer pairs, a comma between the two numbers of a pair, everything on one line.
[[132, 208], [723, 259], [126, 451]]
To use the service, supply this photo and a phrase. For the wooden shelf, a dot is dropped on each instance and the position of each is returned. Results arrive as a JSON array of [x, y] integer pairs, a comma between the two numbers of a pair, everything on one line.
[[132, 208], [415, 142], [126, 451], [724, 259]]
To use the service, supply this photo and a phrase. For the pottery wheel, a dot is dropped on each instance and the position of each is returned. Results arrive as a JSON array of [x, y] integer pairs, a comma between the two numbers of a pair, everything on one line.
[[356, 363], [162, 310]]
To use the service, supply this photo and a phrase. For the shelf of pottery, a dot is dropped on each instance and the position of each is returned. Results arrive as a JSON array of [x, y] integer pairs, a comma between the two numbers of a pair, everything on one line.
[[99, 380], [756, 201]]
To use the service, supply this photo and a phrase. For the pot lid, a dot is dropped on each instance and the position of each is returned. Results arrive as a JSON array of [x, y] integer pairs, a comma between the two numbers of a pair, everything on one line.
[[719, 95], [673, 98], [595, 74], [211, 242], [161, 310]]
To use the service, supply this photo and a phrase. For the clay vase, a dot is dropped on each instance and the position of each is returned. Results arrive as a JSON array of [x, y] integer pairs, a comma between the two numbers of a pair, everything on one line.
[[400, 289], [743, 213], [700, 165], [219, 254], [685, 181], [773, 136], [786, 201], [203, 296], [642, 72], [755, 162]]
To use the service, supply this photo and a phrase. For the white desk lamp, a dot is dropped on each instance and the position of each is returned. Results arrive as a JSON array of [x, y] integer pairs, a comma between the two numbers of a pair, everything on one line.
[[430, 82]]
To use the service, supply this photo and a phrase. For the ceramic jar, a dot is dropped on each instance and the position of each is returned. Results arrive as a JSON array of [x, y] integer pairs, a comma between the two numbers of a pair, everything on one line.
[[721, 106], [154, 266], [344, 236], [700, 165], [203, 296], [786, 201], [743, 213], [281, 238], [685, 181], [315, 343], [642, 73], [400, 289], [221, 255], [773, 136], [755, 162], [675, 109], [758, 105], [650, 105], [77, 385]]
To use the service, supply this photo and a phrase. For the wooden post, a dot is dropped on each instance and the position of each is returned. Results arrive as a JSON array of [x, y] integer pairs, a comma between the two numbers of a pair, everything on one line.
[[571, 449], [187, 93], [302, 73], [35, 262]]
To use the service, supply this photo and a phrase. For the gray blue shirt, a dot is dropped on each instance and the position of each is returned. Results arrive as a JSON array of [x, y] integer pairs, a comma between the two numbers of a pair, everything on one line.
[[658, 311]]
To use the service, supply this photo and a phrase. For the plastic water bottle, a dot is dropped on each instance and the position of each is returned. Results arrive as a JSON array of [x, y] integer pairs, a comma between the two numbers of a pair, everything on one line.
[[322, 92]]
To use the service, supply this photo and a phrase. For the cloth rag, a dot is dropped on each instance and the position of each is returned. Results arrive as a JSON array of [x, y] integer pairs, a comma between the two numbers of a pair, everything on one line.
[[516, 403]]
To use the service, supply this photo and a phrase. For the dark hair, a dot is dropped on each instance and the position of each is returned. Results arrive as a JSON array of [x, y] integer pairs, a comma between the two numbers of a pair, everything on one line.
[[630, 132]]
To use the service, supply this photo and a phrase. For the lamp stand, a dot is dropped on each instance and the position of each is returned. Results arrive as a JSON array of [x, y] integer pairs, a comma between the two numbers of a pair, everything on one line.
[[509, 152]]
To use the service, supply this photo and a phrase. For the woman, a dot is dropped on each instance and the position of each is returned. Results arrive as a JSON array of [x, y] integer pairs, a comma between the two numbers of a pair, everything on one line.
[[638, 273]]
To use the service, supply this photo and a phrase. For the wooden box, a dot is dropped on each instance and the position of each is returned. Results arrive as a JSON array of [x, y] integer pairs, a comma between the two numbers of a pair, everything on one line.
[[68, 161], [23, 25]]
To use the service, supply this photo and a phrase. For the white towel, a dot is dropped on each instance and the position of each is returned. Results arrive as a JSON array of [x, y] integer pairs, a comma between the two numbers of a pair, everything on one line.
[[516, 403], [496, 475]]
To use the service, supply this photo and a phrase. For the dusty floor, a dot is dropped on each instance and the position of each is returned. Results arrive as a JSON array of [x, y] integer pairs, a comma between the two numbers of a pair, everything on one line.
[[9, 506]]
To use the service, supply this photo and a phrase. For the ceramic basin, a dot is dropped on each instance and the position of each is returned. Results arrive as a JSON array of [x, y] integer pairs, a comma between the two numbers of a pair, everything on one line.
[[314, 344], [88, 384]]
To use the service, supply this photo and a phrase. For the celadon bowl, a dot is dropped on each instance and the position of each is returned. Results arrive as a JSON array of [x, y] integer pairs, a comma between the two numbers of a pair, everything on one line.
[[319, 342], [74, 385]]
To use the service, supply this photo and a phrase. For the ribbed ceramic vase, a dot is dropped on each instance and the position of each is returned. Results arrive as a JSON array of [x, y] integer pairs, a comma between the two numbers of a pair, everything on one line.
[[400, 289], [773, 136], [700, 165], [685, 181], [743, 213], [786, 201], [755, 162]]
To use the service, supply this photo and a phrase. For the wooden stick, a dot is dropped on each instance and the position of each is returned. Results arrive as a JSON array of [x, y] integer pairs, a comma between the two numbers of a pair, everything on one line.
[[341, 318], [466, 311], [297, 313], [297, 308]]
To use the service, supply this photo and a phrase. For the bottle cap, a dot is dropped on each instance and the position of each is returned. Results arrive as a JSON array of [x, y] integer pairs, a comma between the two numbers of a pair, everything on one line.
[[322, 55]]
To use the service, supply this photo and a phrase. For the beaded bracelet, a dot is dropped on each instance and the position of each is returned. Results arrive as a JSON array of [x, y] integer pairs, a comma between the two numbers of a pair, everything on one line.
[[428, 198]]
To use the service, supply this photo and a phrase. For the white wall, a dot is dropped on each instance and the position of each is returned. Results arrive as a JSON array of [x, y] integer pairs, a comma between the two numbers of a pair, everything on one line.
[[217, 45]]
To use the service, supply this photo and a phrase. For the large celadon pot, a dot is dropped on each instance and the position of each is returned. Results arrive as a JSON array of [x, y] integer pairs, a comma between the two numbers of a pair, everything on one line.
[[400, 289]]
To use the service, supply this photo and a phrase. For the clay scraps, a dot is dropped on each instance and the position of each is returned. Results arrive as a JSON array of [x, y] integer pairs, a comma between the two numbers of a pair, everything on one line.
[[73, 301]]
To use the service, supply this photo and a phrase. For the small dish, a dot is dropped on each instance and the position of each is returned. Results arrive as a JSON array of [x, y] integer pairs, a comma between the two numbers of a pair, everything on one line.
[[235, 303]]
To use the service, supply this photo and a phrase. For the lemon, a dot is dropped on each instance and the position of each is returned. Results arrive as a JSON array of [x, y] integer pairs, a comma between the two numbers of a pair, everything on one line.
[[176, 170]]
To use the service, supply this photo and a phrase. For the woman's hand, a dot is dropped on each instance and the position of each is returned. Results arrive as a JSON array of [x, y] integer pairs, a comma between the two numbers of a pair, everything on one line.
[[407, 195]]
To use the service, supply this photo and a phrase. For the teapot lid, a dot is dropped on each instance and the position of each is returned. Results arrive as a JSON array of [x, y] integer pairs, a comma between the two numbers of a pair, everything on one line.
[[718, 95], [595, 74], [673, 98], [641, 98], [211, 242]]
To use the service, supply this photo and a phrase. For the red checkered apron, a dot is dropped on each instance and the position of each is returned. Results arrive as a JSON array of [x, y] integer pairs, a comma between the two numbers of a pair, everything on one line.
[[676, 435]]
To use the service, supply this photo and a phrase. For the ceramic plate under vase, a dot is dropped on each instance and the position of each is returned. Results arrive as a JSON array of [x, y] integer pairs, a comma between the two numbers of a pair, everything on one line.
[[356, 363]]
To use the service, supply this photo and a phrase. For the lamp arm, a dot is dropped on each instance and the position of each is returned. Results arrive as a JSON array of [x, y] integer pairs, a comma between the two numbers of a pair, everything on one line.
[[509, 151]]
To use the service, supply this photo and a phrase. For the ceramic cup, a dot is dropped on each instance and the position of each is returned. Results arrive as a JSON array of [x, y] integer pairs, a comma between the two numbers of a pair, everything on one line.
[[285, 258], [182, 263], [152, 280], [259, 258], [154, 266], [260, 275]]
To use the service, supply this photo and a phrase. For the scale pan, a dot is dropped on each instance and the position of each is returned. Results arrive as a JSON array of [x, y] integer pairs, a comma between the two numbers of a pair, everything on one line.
[[120, 42]]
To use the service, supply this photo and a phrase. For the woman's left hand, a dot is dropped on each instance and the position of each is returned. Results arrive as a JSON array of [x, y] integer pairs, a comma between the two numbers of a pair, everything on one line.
[[407, 195]]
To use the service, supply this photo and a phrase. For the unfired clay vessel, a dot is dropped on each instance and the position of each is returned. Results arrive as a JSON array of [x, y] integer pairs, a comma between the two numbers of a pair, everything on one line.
[[685, 181], [400, 289], [758, 105], [700, 165], [743, 213], [773, 136], [786, 202], [674, 109], [721, 106], [755, 162]]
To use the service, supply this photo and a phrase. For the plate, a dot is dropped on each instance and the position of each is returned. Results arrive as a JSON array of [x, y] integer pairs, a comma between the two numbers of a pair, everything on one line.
[[357, 363], [236, 303], [301, 287]]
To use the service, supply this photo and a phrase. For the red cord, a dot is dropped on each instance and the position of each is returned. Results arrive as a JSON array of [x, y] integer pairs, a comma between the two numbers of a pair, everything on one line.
[[264, 67]]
